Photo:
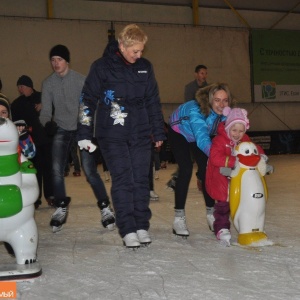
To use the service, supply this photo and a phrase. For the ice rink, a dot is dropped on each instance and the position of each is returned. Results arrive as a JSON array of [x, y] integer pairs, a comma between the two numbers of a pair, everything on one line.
[[86, 261]]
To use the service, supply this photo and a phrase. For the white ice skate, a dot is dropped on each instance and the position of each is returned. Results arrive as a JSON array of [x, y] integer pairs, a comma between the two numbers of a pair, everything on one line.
[[180, 228], [131, 240], [210, 221], [144, 237], [153, 196], [224, 237]]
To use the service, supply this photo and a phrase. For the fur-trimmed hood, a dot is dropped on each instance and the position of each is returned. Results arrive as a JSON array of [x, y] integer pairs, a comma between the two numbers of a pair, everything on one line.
[[203, 94]]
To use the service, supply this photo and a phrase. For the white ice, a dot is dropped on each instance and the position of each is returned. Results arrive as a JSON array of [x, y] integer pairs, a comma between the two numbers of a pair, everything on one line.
[[85, 261]]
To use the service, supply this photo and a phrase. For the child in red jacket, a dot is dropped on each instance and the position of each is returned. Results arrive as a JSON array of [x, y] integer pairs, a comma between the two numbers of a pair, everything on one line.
[[229, 134]]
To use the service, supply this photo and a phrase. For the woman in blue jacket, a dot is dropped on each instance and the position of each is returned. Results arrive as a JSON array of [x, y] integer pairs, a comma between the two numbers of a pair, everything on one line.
[[191, 127], [120, 100]]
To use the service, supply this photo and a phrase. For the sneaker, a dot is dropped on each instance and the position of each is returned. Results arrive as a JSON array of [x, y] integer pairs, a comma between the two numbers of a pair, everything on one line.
[[144, 237], [131, 240], [153, 196], [224, 237], [108, 218], [179, 227], [59, 218], [210, 221]]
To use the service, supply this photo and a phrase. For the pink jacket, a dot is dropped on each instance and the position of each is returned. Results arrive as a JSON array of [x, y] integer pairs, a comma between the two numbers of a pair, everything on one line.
[[220, 156]]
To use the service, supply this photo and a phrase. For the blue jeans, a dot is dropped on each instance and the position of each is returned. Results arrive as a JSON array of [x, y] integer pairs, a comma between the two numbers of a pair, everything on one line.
[[62, 142], [73, 157], [92, 176]]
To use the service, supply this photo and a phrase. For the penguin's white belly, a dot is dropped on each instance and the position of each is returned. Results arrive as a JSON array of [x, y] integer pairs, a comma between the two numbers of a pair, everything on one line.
[[250, 215]]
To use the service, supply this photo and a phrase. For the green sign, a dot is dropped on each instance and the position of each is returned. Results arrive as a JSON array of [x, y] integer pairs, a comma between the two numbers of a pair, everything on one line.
[[276, 65]]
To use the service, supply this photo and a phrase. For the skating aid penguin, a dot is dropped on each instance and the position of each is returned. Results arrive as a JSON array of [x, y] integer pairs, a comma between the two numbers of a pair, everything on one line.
[[248, 194], [18, 192]]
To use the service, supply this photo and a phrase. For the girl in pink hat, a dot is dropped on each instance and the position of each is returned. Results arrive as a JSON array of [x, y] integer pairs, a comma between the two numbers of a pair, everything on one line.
[[229, 134]]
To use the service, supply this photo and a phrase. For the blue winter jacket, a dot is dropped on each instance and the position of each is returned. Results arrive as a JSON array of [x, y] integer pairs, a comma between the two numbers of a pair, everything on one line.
[[120, 99], [188, 121]]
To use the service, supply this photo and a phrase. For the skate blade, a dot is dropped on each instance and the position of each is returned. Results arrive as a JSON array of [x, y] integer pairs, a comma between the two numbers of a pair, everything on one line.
[[170, 189], [184, 236], [133, 248], [111, 227], [10, 272], [154, 199], [224, 243], [144, 245], [56, 228]]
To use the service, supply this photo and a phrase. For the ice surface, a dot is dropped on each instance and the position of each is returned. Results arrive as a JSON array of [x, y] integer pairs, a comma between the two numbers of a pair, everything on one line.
[[85, 261]]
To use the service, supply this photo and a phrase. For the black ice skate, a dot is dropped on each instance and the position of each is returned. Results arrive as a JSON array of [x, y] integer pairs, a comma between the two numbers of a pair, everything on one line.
[[107, 215], [172, 182], [60, 215]]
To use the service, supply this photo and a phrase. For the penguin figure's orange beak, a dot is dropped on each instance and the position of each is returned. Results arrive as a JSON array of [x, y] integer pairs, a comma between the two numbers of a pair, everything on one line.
[[250, 161]]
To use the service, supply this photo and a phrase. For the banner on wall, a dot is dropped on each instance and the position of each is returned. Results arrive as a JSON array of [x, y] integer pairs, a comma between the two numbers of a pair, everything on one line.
[[276, 65]]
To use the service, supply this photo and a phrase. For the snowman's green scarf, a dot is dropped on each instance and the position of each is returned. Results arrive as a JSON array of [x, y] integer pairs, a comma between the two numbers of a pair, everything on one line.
[[9, 165]]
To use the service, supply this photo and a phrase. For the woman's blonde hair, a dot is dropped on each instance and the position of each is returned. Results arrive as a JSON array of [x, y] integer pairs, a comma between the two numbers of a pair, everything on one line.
[[132, 34], [205, 96]]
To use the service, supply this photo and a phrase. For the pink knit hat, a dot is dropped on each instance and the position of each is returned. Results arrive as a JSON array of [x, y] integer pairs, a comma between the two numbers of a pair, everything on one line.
[[235, 115]]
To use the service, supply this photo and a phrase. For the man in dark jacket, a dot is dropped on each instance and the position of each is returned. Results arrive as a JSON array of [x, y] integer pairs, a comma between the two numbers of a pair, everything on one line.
[[199, 82], [27, 107]]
